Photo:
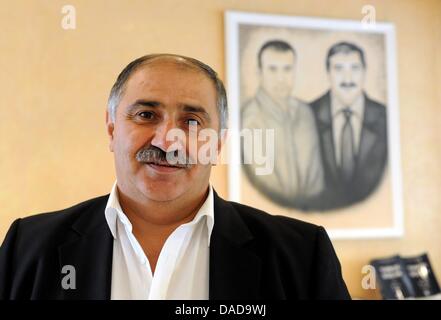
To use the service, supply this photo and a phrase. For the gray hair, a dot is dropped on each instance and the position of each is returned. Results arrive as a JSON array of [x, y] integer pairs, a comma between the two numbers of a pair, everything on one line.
[[119, 85], [344, 47], [278, 45]]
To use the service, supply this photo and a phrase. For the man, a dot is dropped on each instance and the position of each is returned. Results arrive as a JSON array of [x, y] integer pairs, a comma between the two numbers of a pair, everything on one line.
[[298, 174], [352, 130], [163, 232]]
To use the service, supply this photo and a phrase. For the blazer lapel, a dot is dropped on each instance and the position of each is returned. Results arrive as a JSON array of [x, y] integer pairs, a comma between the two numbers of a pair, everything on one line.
[[368, 135], [234, 267], [90, 252], [325, 129]]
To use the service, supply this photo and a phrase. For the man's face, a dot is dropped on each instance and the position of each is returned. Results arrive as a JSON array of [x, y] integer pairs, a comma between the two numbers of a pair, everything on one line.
[[277, 73], [346, 74], [159, 97]]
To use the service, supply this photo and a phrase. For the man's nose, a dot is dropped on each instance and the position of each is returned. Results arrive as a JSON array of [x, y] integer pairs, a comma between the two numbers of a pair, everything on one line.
[[165, 136], [347, 76], [280, 77]]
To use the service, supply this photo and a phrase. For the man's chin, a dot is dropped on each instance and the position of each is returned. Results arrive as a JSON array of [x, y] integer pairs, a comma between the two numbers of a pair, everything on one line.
[[162, 197], [348, 98], [161, 191]]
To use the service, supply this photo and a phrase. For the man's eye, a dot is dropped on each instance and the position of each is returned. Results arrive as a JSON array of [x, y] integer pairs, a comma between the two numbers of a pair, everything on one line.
[[146, 115]]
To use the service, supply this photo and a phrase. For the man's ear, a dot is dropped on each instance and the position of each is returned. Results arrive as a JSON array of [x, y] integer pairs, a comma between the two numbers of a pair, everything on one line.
[[110, 128]]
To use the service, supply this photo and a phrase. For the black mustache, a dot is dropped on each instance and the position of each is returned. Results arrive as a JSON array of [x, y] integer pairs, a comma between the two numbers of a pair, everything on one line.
[[348, 84], [155, 155]]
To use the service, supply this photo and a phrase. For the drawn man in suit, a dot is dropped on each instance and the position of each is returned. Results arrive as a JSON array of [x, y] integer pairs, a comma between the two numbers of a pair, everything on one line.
[[298, 174], [352, 130]]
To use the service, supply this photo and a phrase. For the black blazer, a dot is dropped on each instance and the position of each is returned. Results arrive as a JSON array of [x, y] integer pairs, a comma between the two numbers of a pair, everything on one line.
[[370, 161], [253, 255]]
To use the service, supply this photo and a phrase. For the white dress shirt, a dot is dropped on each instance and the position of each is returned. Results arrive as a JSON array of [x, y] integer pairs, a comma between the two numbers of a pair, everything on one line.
[[338, 120], [182, 269]]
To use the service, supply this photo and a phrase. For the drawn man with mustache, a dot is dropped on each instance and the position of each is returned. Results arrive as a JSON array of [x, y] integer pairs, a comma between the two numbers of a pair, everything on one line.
[[352, 130]]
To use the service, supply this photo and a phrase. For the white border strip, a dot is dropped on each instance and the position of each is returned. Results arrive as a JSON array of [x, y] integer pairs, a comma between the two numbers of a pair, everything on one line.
[[232, 21]]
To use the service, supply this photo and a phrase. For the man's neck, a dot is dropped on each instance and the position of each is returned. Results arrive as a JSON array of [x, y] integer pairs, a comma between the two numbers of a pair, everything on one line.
[[159, 214], [154, 221], [356, 105]]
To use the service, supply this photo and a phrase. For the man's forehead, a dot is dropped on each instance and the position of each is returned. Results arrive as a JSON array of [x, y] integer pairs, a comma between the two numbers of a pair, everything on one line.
[[176, 64], [351, 57], [161, 81], [270, 56], [150, 72]]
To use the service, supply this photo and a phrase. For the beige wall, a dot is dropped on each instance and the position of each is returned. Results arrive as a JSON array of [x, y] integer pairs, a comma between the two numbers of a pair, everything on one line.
[[54, 84]]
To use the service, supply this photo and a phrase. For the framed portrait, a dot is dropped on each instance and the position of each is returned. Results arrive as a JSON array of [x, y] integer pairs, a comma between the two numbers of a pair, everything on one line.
[[314, 123]]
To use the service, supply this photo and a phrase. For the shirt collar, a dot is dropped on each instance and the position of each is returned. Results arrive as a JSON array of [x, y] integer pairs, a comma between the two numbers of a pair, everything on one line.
[[357, 107], [114, 211]]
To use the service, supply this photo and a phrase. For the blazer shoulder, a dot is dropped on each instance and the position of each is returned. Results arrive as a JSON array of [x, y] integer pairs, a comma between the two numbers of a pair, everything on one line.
[[250, 108], [375, 112], [375, 107], [276, 227], [46, 228], [319, 102], [48, 220], [305, 110], [375, 104]]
